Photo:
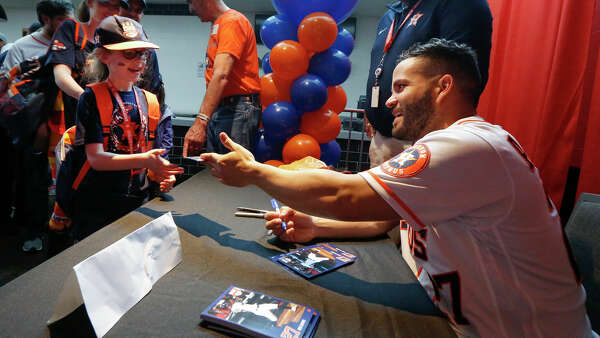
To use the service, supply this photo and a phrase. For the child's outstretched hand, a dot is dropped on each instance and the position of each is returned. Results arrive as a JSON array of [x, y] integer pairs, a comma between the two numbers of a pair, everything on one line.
[[162, 168], [167, 184]]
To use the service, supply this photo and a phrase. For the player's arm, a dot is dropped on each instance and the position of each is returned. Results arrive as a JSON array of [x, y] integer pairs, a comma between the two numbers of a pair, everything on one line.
[[196, 135], [301, 227], [64, 80], [317, 192]]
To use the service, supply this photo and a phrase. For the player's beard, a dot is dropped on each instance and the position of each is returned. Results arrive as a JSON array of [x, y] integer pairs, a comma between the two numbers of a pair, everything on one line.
[[416, 117]]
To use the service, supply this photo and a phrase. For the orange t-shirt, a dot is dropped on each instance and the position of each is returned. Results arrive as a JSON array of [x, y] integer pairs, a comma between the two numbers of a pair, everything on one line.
[[232, 33]]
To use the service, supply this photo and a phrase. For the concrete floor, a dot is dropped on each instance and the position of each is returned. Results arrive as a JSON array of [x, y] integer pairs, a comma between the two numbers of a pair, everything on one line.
[[13, 261]]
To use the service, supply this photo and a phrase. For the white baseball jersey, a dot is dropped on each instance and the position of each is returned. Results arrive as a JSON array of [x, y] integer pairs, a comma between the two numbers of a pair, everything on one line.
[[482, 237], [34, 44]]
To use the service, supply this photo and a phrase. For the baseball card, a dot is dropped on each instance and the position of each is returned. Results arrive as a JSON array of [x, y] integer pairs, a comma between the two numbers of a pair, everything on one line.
[[314, 260]]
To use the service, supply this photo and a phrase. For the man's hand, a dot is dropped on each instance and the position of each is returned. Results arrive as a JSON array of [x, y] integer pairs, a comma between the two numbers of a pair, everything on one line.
[[195, 138], [234, 168], [300, 227], [160, 167]]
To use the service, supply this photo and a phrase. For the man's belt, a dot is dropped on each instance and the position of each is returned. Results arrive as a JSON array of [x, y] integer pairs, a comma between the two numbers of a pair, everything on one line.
[[235, 99]]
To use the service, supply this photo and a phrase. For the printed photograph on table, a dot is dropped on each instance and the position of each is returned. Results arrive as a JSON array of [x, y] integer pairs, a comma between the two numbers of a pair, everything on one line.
[[249, 313], [314, 260]]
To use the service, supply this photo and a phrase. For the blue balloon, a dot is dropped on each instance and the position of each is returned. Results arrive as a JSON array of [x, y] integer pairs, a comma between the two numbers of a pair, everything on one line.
[[280, 121], [308, 93], [331, 153], [266, 66], [264, 151], [339, 10], [344, 42], [331, 65], [278, 28]]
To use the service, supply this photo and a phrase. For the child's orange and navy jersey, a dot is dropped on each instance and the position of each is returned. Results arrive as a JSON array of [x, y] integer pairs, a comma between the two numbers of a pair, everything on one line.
[[482, 237], [90, 130], [233, 34]]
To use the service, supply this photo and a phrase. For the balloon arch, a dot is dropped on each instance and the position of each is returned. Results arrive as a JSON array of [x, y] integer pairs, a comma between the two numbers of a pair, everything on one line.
[[301, 91]]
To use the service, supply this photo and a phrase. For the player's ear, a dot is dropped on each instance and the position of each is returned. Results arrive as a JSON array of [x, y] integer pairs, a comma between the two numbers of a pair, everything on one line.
[[443, 86]]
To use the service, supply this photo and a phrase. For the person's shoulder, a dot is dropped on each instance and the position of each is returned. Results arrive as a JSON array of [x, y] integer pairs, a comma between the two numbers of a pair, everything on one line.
[[23, 40], [233, 16], [467, 134], [88, 96], [471, 7], [68, 24]]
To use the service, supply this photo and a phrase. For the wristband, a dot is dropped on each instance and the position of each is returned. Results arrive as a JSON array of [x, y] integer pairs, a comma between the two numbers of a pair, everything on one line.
[[203, 117]]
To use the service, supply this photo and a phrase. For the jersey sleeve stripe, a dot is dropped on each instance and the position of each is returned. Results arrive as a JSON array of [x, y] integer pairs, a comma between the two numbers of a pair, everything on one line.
[[397, 199]]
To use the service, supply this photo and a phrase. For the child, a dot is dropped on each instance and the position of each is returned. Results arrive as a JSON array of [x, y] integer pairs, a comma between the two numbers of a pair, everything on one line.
[[117, 152]]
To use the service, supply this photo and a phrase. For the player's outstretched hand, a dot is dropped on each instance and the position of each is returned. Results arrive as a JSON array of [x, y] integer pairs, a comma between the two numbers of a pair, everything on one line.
[[161, 168], [234, 168], [300, 226]]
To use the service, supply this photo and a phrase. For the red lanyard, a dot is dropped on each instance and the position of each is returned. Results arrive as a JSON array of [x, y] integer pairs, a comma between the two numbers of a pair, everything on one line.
[[127, 125], [391, 36]]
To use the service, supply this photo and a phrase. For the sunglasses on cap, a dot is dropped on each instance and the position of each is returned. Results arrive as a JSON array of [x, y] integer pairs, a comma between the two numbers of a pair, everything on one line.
[[131, 54]]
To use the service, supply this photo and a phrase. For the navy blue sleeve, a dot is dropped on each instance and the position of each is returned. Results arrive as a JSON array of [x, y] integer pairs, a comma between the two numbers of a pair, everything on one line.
[[470, 22], [156, 80], [89, 126], [164, 136], [62, 50]]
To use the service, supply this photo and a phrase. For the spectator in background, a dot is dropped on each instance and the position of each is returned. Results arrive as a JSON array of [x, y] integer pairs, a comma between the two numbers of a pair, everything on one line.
[[32, 178], [231, 101], [405, 23], [50, 15]]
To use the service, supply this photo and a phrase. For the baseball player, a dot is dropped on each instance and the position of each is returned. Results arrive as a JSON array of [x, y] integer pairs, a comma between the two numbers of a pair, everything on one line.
[[484, 240]]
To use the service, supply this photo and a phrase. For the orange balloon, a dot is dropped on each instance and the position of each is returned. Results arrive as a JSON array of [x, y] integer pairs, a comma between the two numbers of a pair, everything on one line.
[[336, 99], [299, 147], [273, 89], [288, 59], [324, 125], [317, 31], [274, 163]]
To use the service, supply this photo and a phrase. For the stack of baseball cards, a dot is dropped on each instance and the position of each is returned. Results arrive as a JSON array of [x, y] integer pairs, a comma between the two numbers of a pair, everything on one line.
[[247, 313]]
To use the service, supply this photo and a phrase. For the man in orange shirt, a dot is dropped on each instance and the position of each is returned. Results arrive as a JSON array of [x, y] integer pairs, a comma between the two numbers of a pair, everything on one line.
[[231, 102]]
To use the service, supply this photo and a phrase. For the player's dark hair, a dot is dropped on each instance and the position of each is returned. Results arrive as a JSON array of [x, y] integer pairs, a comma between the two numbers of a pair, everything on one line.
[[450, 57], [53, 8]]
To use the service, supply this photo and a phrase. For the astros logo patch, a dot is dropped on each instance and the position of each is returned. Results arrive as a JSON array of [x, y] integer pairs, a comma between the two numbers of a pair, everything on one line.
[[409, 163], [129, 30]]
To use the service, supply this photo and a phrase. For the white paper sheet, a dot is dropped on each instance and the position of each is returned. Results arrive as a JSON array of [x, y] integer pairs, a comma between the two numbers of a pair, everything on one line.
[[113, 280]]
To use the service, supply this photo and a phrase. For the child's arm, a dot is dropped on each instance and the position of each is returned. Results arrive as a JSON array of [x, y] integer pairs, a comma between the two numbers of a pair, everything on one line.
[[64, 80], [102, 160]]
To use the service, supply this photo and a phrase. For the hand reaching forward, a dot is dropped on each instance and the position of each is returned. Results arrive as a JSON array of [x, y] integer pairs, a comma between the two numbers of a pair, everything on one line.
[[234, 168], [300, 226], [161, 168]]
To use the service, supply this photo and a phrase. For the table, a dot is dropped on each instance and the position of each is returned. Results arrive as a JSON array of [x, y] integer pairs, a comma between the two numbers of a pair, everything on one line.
[[376, 296]]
